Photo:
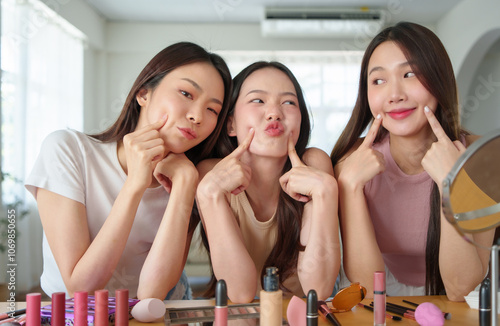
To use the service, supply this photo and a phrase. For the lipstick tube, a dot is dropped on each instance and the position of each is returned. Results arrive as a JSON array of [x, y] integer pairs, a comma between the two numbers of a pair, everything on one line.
[[58, 309], [101, 308], [33, 302], [312, 308], [220, 312], [485, 303], [379, 298], [81, 308]]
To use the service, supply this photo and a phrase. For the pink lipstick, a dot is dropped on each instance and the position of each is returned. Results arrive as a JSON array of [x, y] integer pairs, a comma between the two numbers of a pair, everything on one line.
[[400, 114], [188, 133]]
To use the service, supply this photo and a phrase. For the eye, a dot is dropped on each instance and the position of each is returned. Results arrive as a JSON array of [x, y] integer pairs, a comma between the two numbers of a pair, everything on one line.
[[290, 102], [409, 74], [213, 111], [377, 81], [257, 100], [186, 94]]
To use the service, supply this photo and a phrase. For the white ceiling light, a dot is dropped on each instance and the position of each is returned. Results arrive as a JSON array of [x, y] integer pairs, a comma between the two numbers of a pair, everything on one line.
[[321, 22]]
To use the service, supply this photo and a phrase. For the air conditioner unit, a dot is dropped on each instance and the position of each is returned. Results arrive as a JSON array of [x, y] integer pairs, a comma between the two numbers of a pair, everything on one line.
[[321, 22]]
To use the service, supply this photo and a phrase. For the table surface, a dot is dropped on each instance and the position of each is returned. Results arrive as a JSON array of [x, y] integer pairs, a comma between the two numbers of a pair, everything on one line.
[[460, 311]]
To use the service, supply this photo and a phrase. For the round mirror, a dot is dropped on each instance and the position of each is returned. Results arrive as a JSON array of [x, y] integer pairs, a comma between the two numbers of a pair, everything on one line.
[[471, 191]]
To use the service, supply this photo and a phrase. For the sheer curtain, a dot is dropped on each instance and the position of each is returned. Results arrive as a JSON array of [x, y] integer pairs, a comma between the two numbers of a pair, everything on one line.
[[329, 80], [42, 91]]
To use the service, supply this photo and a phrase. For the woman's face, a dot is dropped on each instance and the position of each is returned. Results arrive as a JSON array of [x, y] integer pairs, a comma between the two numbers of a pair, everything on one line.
[[190, 96], [395, 92], [268, 103]]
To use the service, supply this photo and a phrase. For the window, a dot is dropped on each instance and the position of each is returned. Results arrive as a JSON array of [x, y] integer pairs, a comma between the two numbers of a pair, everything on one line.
[[329, 80], [42, 91]]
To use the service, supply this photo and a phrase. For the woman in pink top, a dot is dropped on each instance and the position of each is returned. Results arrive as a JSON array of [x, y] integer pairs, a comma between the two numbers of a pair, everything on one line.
[[390, 181]]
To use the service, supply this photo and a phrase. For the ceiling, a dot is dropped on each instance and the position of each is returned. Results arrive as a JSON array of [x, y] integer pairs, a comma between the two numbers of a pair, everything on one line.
[[252, 11]]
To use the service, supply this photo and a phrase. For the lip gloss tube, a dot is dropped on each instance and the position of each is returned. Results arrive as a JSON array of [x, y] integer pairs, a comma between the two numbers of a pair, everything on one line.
[[379, 298], [220, 318]]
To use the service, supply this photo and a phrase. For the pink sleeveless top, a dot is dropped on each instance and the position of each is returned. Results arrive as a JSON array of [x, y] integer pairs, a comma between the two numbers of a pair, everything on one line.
[[399, 206]]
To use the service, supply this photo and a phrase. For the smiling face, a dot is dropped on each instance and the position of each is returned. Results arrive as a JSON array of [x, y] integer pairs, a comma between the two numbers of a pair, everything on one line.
[[268, 103], [191, 97], [395, 92]]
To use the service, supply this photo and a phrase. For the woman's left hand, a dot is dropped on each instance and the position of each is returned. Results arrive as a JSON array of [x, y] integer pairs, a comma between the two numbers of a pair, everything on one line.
[[301, 181], [173, 167], [442, 154]]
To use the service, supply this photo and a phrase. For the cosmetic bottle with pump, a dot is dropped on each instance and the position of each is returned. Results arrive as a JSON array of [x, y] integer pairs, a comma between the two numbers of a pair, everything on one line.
[[271, 299]]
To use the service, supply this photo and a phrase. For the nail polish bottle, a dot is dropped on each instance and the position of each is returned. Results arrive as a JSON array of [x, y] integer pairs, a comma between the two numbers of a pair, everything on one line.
[[271, 299]]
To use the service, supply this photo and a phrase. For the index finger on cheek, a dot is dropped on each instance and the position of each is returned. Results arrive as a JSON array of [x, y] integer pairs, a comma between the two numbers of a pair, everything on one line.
[[292, 152], [435, 125]]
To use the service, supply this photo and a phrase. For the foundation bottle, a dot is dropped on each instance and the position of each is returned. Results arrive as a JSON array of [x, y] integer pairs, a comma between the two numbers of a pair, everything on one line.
[[271, 298]]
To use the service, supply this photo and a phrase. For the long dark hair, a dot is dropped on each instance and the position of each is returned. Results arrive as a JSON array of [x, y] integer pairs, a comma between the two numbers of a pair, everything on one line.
[[285, 253], [170, 58], [432, 66]]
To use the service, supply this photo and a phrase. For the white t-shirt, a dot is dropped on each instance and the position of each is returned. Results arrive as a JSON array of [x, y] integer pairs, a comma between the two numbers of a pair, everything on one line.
[[86, 170]]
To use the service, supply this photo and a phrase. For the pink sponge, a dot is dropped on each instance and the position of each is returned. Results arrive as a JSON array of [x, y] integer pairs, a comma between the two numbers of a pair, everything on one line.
[[296, 312], [428, 314]]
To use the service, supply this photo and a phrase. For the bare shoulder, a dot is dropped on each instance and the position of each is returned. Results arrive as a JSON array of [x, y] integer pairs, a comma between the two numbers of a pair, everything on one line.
[[318, 159], [206, 166]]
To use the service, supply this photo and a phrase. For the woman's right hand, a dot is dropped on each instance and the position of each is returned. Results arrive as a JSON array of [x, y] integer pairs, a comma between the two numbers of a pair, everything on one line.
[[230, 175], [144, 148], [364, 163]]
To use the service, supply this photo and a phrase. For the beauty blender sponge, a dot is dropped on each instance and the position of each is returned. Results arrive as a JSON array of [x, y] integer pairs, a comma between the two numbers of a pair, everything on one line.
[[428, 314], [148, 310], [296, 312]]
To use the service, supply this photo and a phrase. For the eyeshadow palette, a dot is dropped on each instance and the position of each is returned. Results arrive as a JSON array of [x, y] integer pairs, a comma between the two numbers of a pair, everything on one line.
[[46, 311], [237, 314]]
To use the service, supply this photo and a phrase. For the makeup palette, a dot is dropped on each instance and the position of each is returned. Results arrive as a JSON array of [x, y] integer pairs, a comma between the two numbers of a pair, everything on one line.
[[237, 314], [207, 314], [69, 315]]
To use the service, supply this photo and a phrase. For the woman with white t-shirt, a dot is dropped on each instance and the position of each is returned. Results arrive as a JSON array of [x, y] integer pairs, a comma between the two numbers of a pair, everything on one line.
[[103, 198]]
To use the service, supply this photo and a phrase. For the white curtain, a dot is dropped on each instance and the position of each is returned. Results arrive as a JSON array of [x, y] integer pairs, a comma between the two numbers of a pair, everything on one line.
[[42, 91], [329, 80]]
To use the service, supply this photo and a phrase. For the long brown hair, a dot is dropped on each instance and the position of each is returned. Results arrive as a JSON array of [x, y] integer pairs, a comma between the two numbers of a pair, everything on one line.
[[285, 253], [170, 58], [432, 66]]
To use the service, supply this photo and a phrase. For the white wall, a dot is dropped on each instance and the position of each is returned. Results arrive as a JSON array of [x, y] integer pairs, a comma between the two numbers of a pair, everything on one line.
[[118, 51], [469, 31], [481, 108]]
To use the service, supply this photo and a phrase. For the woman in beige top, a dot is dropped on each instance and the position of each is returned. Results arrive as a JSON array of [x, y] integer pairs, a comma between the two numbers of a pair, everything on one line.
[[269, 201]]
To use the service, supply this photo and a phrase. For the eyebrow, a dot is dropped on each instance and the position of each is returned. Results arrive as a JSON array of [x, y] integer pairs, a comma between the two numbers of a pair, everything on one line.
[[259, 91], [380, 68], [198, 87]]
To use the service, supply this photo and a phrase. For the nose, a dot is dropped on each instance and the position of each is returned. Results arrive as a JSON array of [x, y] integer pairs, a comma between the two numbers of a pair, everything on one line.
[[274, 113], [397, 93], [195, 115]]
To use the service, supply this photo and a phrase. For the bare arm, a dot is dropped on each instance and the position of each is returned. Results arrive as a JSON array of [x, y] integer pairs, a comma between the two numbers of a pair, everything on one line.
[[462, 265], [362, 256], [230, 258], [319, 263], [166, 259], [87, 265]]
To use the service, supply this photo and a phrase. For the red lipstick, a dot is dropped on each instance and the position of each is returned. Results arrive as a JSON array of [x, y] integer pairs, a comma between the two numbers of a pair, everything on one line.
[[274, 129], [188, 133]]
